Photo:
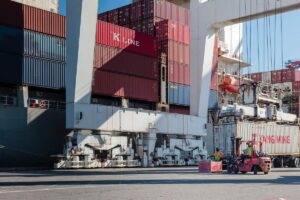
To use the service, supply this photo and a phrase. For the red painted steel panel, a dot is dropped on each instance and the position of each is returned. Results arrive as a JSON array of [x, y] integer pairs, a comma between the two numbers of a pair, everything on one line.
[[117, 60], [22, 16], [124, 38], [180, 110], [119, 85]]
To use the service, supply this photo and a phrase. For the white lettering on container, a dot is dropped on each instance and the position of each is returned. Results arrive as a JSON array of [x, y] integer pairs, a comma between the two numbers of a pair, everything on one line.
[[128, 41]]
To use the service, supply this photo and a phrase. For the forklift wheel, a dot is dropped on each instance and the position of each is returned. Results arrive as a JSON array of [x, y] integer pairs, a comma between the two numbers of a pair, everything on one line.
[[243, 172], [255, 169]]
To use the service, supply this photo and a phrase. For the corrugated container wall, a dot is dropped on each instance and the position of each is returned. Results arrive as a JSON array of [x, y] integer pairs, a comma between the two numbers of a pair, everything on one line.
[[143, 15], [296, 87], [178, 94], [43, 73], [31, 18], [285, 75], [176, 52], [222, 136], [117, 60], [31, 71], [124, 38], [276, 76], [178, 73], [172, 30], [175, 45], [257, 77], [119, 85], [276, 139], [24, 42]]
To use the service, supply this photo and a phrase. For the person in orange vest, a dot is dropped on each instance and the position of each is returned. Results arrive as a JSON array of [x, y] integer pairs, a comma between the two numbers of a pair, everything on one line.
[[218, 155]]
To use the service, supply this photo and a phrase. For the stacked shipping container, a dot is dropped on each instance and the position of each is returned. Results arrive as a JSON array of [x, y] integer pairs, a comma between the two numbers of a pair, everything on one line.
[[33, 52], [173, 40], [142, 15], [170, 24], [288, 81], [125, 63]]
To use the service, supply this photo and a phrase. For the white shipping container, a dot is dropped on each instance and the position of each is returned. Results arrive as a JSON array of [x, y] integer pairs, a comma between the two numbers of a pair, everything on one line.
[[266, 77], [275, 139], [223, 136]]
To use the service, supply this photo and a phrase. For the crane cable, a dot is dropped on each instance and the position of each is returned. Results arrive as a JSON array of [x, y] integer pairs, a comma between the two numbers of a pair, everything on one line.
[[257, 26]]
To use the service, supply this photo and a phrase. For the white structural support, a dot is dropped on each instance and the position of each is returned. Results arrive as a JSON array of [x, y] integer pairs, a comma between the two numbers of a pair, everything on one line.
[[207, 16], [81, 36], [109, 118]]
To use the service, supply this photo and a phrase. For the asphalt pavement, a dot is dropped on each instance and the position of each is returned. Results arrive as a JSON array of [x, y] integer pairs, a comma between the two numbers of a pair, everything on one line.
[[148, 183]]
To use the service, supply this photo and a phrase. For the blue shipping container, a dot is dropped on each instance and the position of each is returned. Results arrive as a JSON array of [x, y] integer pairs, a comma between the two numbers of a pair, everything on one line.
[[43, 73], [24, 70], [178, 94], [29, 43]]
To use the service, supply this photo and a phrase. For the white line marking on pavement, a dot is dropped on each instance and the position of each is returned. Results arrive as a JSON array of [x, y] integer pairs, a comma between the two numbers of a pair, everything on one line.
[[49, 189]]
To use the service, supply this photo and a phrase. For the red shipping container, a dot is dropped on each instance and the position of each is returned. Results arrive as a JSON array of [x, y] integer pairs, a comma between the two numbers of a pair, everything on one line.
[[295, 110], [120, 61], [113, 16], [178, 73], [167, 10], [124, 38], [256, 77], [290, 75], [171, 30], [119, 85], [296, 87], [124, 15], [22, 16], [177, 52], [154, 10], [136, 11], [103, 16], [180, 110], [276, 77]]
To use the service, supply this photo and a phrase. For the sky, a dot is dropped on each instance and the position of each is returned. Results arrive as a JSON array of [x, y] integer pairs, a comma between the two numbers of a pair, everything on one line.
[[105, 5], [274, 45], [268, 42]]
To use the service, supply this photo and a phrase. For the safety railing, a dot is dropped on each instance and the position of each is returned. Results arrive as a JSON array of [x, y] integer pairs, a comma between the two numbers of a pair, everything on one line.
[[8, 101], [46, 104]]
